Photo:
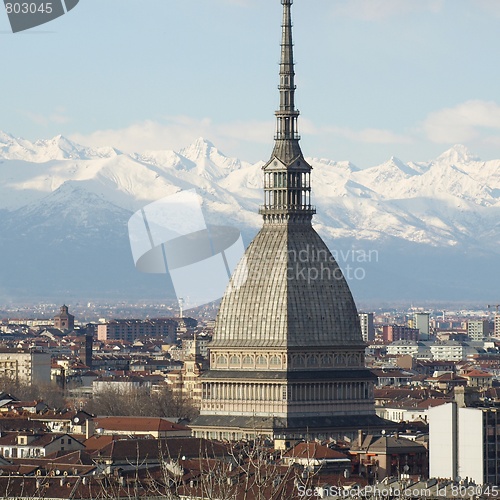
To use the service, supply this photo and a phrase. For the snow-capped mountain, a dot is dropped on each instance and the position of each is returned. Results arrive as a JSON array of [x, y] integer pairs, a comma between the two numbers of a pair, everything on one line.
[[412, 230]]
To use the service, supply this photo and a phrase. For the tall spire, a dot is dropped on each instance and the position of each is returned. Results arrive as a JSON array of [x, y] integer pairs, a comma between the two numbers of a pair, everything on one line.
[[287, 175], [287, 140]]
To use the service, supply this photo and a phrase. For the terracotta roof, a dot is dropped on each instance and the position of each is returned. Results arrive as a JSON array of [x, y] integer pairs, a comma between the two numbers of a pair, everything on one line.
[[477, 374], [60, 487], [431, 403], [446, 377], [395, 393], [314, 450], [58, 460], [137, 424], [124, 450], [40, 441], [99, 441], [56, 417], [390, 444]]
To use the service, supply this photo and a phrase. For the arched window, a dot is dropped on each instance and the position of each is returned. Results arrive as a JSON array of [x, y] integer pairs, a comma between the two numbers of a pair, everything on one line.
[[312, 361], [247, 360], [261, 361], [275, 361]]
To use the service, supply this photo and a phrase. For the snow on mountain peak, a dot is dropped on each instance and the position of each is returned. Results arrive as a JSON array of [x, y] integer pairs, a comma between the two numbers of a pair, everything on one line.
[[203, 157], [44, 150], [199, 149], [457, 154], [5, 138], [59, 148], [394, 198]]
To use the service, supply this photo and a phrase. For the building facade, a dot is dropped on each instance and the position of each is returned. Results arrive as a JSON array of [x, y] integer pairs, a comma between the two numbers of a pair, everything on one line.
[[367, 326], [421, 323], [133, 329], [25, 366], [287, 359], [393, 333], [464, 442], [478, 330]]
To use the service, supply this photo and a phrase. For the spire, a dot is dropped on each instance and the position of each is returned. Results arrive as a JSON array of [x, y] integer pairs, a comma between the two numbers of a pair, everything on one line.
[[287, 188], [287, 140]]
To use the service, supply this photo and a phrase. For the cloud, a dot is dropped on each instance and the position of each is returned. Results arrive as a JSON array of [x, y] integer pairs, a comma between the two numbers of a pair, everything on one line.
[[58, 116], [372, 136], [463, 123], [366, 135], [377, 10], [177, 132], [490, 6]]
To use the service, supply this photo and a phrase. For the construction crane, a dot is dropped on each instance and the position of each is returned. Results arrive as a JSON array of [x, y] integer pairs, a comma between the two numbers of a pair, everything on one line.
[[496, 306]]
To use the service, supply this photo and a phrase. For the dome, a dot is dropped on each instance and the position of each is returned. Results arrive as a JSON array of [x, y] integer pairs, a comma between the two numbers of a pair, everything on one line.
[[292, 295]]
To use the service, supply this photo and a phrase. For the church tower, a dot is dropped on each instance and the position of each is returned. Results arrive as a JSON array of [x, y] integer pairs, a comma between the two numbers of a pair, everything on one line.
[[287, 358], [64, 321]]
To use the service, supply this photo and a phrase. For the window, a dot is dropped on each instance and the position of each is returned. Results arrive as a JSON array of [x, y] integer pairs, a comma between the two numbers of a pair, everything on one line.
[[275, 361]]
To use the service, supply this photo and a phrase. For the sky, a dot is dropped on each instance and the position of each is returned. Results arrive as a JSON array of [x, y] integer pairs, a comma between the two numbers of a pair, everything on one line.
[[375, 78]]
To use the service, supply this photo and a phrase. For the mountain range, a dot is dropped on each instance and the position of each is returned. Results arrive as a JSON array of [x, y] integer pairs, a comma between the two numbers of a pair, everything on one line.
[[416, 231]]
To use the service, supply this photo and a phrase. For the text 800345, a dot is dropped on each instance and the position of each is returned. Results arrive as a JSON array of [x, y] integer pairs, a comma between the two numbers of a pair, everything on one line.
[[469, 491], [28, 8]]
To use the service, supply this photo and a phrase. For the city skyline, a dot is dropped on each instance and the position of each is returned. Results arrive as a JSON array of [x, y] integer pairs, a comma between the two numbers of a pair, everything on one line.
[[377, 78]]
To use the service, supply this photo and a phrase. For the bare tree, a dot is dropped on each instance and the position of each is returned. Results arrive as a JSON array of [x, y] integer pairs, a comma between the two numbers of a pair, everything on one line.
[[141, 403], [51, 394]]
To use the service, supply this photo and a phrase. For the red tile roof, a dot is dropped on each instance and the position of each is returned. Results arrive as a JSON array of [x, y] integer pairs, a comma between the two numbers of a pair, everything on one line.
[[314, 450], [137, 424], [477, 373]]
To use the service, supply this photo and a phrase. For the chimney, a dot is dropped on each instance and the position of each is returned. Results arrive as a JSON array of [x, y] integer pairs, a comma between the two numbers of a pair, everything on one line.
[[89, 428], [360, 438]]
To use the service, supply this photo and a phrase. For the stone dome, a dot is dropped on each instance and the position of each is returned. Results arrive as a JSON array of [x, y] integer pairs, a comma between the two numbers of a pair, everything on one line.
[[287, 292]]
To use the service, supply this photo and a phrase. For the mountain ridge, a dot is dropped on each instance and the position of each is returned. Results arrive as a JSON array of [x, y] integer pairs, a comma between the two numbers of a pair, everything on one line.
[[450, 203]]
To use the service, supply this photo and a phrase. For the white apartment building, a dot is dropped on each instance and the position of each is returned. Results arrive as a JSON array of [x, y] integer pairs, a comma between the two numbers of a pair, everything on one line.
[[477, 330], [421, 322], [413, 348], [367, 326], [463, 442], [27, 367], [451, 350]]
